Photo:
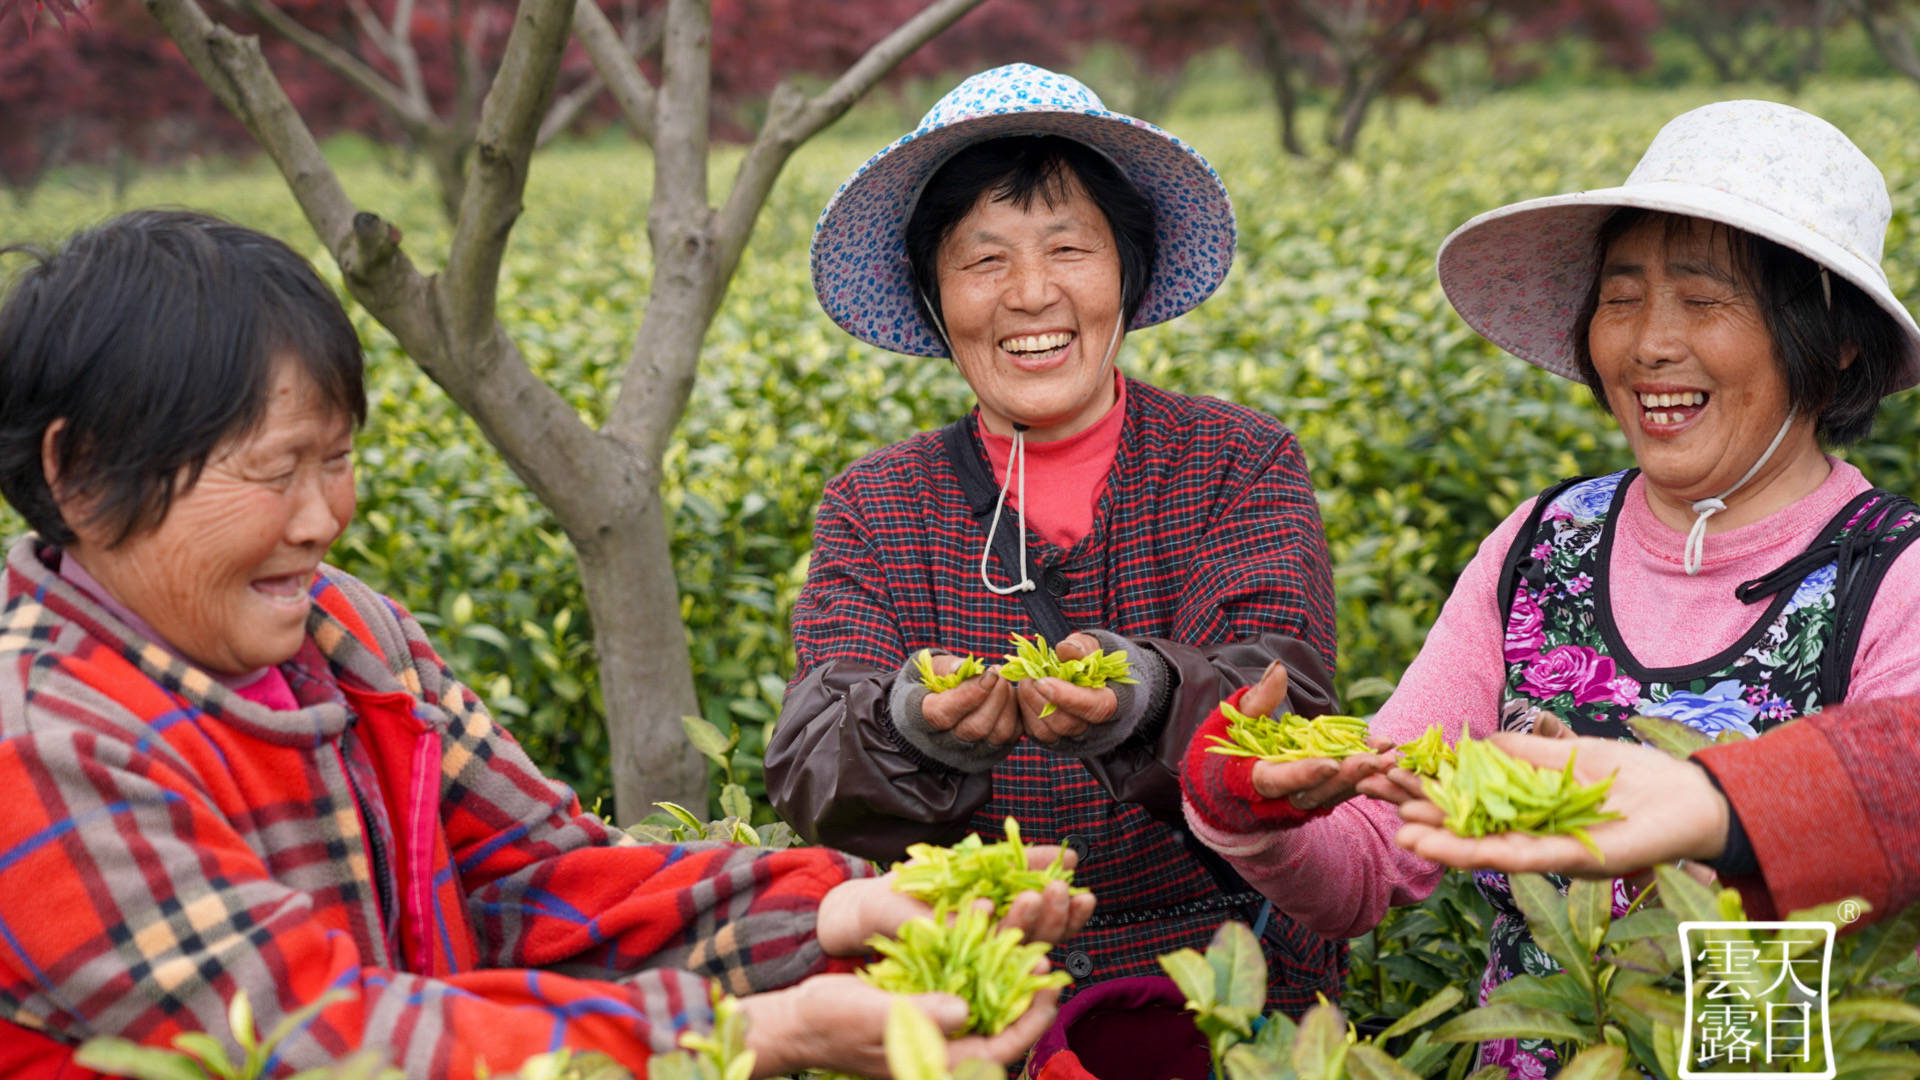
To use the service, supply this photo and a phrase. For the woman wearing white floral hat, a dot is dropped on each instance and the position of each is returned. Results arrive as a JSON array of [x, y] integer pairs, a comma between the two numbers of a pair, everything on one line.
[[1727, 307], [1021, 231]]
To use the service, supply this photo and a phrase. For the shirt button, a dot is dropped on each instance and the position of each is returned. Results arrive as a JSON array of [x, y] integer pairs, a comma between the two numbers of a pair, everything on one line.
[[1079, 964], [1056, 581], [1078, 845]]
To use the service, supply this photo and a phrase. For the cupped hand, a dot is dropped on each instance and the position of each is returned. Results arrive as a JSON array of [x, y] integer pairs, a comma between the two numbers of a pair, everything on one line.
[[838, 1023], [981, 709], [1310, 783], [852, 913], [1672, 811], [1076, 709]]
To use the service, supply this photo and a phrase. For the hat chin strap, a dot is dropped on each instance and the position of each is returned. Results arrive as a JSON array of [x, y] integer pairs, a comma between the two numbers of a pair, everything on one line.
[[1016, 467], [1695, 550]]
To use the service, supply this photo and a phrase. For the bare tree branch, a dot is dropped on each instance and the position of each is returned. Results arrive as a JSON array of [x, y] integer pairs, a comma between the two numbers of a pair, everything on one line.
[[509, 122], [681, 112], [409, 114], [792, 120], [615, 64], [568, 108], [234, 68]]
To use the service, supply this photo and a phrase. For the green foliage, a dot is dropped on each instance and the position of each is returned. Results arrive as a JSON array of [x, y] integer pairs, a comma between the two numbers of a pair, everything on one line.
[[1418, 952], [1226, 988], [1618, 1005], [199, 1055]]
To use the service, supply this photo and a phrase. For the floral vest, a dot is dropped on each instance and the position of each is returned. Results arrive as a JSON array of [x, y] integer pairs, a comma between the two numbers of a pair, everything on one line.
[[1564, 655]]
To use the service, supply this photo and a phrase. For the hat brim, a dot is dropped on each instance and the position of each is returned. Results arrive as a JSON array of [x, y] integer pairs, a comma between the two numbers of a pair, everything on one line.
[[1519, 274], [859, 255]]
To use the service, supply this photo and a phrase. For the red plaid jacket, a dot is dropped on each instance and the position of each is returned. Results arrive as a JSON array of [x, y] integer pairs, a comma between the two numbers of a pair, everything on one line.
[[1206, 547], [164, 843]]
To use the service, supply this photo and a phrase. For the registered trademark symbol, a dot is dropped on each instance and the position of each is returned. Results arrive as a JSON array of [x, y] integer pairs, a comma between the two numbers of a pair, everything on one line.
[[1849, 910]]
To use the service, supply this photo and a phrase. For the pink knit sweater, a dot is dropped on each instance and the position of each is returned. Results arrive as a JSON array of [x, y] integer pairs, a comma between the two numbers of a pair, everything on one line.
[[1339, 874]]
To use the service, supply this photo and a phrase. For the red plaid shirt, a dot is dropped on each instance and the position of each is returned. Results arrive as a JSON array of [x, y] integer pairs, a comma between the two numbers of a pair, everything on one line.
[[164, 843], [1207, 533]]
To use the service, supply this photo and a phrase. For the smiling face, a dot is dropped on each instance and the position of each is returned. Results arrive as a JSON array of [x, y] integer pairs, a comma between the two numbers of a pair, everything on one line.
[[1687, 363], [1031, 300], [224, 577]]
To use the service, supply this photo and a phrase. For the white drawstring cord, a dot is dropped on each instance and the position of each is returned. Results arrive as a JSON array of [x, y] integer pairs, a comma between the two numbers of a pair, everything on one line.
[[1016, 464], [1016, 459], [1695, 550]]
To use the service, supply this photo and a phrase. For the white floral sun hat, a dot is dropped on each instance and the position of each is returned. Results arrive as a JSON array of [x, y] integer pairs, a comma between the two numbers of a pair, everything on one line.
[[1519, 274], [860, 269]]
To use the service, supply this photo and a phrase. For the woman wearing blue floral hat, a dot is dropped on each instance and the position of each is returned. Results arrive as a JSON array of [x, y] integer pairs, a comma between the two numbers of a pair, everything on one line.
[[1727, 306], [1021, 231]]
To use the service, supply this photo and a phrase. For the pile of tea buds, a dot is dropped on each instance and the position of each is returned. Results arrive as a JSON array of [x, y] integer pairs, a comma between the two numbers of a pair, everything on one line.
[[1485, 791], [975, 870], [1426, 754], [1032, 659], [923, 663], [1288, 737], [957, 951]]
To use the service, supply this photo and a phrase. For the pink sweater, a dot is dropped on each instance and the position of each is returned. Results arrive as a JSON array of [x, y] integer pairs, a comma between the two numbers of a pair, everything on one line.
[[1338, 874]]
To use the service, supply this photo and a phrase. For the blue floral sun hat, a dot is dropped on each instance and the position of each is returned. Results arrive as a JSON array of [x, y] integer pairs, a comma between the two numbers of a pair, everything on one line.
[[860, 269]]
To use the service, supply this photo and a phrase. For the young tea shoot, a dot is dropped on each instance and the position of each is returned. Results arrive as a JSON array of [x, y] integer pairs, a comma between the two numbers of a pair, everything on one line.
[[1486, 791], [1032, 659], [969, 667], [957, 951], [1290, 738], [973, 869], [1426, 754]]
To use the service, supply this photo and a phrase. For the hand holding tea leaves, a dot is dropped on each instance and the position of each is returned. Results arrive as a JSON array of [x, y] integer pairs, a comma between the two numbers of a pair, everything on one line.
[[960, 952], [1286, 737], [1666, 809], [975, 870], [1308, 783], [838, 1023], [1488, 791], [1063, 691], [1033, 895], [966, 668]]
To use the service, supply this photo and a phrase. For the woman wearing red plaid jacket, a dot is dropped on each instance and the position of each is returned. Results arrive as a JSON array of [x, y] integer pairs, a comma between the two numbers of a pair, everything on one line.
[[226, 766], [1020, 231]]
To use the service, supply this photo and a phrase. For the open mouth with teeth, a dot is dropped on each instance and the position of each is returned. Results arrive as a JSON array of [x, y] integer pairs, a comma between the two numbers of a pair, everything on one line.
[[1672, 409], [1037, 346]]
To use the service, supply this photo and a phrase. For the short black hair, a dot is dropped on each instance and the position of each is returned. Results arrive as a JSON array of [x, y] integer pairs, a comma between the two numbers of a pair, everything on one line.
[[1018, 169], [154, 336], [1810, 338]]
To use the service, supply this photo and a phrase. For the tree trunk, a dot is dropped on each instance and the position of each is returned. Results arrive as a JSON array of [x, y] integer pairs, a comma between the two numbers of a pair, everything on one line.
[[1279, 67], [646, 673]]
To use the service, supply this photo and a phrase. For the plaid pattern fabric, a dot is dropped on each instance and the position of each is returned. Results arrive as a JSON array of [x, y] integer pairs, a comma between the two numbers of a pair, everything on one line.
[[164, 843], [1208, 531]]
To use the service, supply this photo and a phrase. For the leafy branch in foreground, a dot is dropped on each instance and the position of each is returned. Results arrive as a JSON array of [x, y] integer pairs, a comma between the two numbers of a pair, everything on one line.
[[1618, 1002], [1226, 988]]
